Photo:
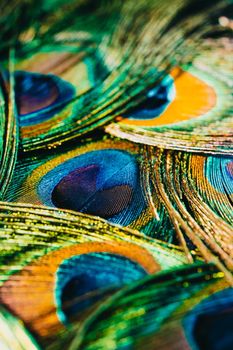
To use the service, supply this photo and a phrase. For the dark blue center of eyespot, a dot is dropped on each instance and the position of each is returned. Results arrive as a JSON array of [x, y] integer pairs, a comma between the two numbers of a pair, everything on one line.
[[40, 96], [209, 326], [215, 331], [78, 191], [85, 279], [104, 183], [157, 100]]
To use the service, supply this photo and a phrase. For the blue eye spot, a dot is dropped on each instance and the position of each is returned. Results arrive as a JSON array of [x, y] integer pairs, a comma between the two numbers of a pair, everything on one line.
[[103, 183], [40, 96], [158, 99], [83, 280]]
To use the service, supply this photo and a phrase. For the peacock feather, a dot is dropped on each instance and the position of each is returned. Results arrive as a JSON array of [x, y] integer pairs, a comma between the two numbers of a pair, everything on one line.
[[116, 186]]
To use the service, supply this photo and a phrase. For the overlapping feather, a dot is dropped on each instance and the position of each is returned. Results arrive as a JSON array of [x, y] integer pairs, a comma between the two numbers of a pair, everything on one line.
[[116, 174]]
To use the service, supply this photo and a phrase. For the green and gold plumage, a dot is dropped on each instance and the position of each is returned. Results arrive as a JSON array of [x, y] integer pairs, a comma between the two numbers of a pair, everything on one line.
[[116, 175]]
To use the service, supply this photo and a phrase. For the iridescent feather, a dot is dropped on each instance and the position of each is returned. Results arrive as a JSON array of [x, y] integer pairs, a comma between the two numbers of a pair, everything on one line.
[[116, 162]]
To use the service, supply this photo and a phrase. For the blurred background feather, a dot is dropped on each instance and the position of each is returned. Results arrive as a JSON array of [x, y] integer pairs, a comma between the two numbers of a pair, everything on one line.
[[116, 163]]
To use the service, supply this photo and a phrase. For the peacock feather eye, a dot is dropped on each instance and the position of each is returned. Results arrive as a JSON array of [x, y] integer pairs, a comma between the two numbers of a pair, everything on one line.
[[104, 183], [91, 274], [181, 97], [78, 278], [102, 179], [157, 101], [51, 87], [39, 96]]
